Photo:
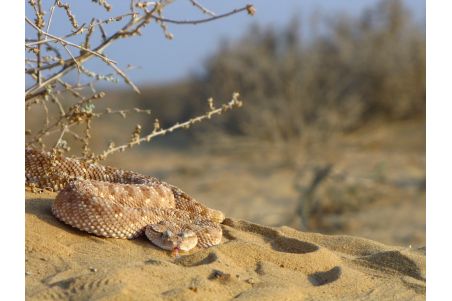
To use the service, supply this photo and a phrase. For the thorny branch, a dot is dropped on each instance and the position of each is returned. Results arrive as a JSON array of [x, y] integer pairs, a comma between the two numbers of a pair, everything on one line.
[[51, 56], [137, 139]]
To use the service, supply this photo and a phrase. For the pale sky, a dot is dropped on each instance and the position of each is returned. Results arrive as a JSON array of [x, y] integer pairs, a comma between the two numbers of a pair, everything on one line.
[[163, 60]]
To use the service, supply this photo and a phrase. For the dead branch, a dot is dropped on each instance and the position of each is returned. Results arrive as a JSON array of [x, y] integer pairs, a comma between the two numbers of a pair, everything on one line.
[[50, 57]]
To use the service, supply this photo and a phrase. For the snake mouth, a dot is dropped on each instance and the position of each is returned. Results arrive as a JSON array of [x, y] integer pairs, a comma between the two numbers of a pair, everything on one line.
[[175, 252]]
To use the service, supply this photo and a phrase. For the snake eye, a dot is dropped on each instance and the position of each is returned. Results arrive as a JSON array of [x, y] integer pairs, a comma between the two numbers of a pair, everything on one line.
[[167, 233]]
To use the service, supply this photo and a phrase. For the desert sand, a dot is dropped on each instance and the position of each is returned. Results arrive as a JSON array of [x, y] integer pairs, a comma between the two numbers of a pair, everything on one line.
[[253, 262]]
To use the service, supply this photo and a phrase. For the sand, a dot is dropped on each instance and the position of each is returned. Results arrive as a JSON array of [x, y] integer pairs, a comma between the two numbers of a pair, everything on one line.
[[254, 262]]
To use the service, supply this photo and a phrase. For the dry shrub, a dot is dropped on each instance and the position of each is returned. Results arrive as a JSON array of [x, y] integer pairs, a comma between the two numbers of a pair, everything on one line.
[[354, 70], [62, 90]]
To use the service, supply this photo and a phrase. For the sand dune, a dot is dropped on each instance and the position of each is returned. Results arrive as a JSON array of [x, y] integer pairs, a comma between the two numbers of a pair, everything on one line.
[[254, 262]]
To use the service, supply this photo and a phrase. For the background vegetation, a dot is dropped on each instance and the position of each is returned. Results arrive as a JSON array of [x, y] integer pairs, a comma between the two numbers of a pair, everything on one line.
[[349, 72]]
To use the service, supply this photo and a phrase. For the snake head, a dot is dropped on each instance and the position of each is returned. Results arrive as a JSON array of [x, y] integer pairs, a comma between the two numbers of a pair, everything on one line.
[[166, 236]]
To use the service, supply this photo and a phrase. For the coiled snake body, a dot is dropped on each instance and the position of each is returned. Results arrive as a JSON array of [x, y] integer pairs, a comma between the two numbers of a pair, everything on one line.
[[111, 202]]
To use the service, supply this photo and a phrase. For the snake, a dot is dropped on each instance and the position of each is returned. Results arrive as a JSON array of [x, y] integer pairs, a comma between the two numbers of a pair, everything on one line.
[[116, 203]]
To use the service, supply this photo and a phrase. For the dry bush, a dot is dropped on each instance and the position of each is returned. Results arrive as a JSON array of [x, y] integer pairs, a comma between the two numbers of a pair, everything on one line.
[[61, 87], [303, 91], [352, 71]]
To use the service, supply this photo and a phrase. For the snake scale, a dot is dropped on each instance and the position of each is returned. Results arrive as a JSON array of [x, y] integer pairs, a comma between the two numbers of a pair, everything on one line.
[[110, 202]]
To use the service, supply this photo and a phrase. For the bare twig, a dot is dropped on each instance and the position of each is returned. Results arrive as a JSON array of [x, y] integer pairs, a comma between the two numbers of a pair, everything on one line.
[[249, 8], [202, 8], [75, 61], [234, 103], [65, 42], [81, 58], [50, 65], [60, 138], [52, 9], [126, 31]]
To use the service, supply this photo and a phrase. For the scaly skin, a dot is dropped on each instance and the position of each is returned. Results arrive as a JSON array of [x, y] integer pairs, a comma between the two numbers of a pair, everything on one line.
[[111, 202]]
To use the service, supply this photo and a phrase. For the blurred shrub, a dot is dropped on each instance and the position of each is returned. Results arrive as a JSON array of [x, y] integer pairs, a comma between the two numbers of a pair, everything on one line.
[[357, 69]]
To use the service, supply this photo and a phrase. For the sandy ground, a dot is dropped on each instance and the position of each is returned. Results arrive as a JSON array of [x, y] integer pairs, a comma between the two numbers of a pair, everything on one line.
[[253, 262], [374, 191]]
